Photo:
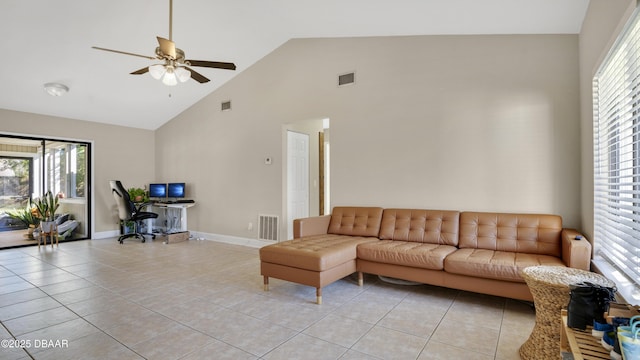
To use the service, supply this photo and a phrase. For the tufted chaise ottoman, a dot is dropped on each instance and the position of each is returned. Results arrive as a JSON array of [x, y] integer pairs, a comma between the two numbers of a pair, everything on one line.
[[319, 260]]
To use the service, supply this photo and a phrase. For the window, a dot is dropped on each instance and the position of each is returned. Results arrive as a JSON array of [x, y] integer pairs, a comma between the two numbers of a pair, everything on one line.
[[616, 92], [66, 169]]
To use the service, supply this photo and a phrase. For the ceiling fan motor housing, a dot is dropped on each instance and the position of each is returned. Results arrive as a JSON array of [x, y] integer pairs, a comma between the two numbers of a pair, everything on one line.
[[179, 55]]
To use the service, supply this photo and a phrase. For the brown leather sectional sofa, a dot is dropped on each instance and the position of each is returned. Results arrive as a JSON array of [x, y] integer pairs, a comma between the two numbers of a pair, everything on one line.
[[475, 251]]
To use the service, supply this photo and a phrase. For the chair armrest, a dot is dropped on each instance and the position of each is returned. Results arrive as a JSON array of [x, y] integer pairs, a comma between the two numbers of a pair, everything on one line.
[[575, 253], [315, 225], [140, 206]]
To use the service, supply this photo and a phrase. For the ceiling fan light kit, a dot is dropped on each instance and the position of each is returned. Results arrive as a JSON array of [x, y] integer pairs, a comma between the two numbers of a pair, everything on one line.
[[168, 74], [175, 67], [157, 71], [55, 89], [182, 74], [169, 78]]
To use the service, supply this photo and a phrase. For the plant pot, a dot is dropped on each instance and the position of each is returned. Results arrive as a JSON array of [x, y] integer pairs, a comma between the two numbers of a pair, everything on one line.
[[29, 233], [47, 225]]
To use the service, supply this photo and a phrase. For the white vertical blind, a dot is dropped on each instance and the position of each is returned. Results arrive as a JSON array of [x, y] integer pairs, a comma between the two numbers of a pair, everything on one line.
[[616, 93]]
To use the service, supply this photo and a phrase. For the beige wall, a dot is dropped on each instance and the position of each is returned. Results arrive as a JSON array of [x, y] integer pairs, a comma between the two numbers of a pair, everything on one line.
[[118, 153], [439, 122], [602, 24]]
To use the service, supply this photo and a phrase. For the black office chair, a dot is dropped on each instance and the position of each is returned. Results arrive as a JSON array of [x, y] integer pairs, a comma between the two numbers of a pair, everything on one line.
[[127, 211]]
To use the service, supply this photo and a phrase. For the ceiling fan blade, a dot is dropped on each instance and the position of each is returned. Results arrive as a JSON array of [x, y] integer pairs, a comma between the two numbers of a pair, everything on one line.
[[213, 64], [167, 47], [197, 76], [125, 53], [144, 70]]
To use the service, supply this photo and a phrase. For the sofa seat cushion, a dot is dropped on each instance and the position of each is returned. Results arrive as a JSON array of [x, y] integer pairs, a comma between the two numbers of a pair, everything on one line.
[[316, 253], [407, 253], [499, 265]]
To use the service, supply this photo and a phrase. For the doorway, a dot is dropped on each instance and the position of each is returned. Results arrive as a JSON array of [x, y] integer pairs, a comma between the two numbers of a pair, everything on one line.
[[31, 166], [306, 187], [297, 178]]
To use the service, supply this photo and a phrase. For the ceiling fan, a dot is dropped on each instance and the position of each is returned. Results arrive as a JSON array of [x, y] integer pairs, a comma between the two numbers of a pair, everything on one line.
[[174, 66]]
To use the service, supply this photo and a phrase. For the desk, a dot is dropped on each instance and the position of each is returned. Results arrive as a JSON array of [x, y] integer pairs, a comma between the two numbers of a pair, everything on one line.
[[168, 222]]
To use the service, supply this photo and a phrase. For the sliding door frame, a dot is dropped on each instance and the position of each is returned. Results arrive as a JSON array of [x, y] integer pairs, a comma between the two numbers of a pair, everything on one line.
[[90, 171]]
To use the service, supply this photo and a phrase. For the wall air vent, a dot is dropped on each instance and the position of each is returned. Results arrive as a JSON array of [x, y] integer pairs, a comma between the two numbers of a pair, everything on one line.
[[268, 227], [346, 79], [225, 105]]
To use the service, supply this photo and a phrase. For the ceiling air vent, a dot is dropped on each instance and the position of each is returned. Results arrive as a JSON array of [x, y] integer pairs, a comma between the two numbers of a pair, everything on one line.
[[225, 106], [346, 79]]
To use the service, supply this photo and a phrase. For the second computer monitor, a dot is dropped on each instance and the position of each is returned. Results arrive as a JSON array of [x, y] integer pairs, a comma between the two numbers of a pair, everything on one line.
[[176, 190], [157, 191]]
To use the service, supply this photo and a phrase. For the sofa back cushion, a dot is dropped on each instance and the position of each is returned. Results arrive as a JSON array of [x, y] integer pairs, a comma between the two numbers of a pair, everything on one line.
[[425, 226], [524, 233], [355, 221]]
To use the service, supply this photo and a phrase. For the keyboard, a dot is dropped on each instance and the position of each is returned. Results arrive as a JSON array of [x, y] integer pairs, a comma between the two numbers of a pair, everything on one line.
[[169, 202], [179, 201]]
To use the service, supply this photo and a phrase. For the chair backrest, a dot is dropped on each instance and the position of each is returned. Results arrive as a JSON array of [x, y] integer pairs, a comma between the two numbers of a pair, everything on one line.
[[125, 206]]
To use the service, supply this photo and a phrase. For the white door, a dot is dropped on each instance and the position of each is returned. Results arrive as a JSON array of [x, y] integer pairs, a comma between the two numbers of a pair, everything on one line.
[[297, 178]]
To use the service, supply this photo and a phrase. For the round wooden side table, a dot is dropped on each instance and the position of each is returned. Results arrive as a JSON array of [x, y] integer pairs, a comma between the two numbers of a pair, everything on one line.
[[549, 286]]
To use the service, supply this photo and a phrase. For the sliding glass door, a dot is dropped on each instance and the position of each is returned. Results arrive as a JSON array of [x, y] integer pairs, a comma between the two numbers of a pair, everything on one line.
[[64, 173], [16, 187], [29, 167]]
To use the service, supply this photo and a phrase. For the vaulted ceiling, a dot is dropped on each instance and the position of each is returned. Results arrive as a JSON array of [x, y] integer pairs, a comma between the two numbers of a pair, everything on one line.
[[50, 41]]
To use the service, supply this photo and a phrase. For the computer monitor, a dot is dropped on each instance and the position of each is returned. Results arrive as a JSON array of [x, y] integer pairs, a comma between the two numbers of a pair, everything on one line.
[[176, 190], [157, 191]]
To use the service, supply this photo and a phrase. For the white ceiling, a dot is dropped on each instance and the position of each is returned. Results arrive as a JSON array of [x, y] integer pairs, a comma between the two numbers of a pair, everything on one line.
[[50, 41]]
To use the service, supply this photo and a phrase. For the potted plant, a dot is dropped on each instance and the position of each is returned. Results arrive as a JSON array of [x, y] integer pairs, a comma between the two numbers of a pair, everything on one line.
[[138, 195], [47, 206], [27, 215]]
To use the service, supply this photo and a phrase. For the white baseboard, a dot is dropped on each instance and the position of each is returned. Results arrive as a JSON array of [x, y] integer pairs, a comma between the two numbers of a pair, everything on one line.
[[106, 234], [196, 235], [235, 240]]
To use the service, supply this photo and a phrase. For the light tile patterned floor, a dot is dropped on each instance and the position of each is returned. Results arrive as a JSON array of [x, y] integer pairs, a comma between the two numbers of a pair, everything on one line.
[[204, 300]]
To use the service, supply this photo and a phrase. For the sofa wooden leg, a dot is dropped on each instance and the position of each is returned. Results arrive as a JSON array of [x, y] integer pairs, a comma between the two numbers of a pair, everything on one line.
[[360, 278], [266, 283], [319, 296]]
